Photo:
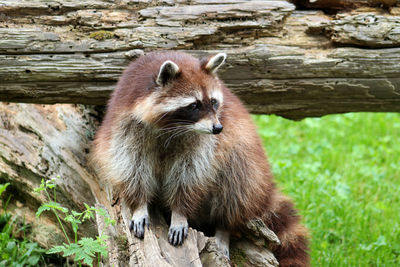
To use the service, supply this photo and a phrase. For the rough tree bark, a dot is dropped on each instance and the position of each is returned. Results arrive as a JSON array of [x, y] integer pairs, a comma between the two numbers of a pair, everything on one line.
[[282, 61]]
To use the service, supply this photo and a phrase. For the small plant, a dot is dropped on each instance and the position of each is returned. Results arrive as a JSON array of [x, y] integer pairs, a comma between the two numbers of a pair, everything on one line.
[[85, 249], [13, 251]]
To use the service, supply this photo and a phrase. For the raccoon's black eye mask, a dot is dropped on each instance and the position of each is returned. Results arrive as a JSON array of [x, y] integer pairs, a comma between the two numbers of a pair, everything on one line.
[[193, 106]]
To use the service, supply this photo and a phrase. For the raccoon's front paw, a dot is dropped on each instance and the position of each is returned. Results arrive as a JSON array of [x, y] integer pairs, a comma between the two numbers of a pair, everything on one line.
[[140, 219], [138, 225], [177, 234]]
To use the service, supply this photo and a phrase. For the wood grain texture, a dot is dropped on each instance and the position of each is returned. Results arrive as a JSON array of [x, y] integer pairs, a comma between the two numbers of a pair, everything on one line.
[[370, 29], [281, 61]]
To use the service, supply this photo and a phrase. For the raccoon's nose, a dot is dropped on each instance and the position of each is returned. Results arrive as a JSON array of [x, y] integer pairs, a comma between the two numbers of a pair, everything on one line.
[[217, 128]]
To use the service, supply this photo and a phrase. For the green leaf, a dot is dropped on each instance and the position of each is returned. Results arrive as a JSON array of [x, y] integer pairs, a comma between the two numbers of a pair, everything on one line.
[[3, 187], [88, 213], [10, 246], [34, 259], [97, 246], [41, 209], [83, 250], [56, 206], [76, 214], [88, 261], [74, 222], [41, 187], [51, 183], [56, 249], [107, 219], [72, 249]]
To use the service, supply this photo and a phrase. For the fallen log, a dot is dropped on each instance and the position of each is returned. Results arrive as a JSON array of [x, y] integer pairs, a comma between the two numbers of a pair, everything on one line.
[[280, 61]]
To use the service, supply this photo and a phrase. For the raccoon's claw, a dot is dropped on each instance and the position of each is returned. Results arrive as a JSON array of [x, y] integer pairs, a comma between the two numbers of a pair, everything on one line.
[[177, 235], [138, 226]]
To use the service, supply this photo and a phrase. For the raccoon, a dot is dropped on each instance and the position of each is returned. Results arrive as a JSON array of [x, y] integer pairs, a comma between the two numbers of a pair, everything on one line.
[[174, 133]]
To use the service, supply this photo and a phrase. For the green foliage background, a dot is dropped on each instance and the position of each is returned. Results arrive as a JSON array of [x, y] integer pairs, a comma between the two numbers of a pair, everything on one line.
[[343, 172]]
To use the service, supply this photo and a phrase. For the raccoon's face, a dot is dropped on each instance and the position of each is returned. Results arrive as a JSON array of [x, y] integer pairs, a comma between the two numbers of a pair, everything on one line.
[[187, 97]]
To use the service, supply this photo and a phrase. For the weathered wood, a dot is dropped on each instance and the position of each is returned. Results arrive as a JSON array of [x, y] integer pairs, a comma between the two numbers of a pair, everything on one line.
[[287, 81], [370, 29], [46, 141], [336, 5], [38, 141], [280, 61]]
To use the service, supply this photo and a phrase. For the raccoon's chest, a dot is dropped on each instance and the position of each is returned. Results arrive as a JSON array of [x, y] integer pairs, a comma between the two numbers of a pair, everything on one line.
[[168, 152], [139, 153], [188, 159]]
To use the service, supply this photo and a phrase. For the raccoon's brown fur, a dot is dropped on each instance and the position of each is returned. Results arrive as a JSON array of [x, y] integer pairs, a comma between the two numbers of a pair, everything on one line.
[[223, 180]]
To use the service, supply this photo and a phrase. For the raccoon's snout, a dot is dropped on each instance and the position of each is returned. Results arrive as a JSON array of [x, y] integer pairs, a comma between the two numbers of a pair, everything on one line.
[[217, 128], [207, 126]]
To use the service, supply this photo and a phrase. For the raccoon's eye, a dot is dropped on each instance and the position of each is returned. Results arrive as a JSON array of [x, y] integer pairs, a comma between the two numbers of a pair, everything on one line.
[[214, 103], [193, 106]]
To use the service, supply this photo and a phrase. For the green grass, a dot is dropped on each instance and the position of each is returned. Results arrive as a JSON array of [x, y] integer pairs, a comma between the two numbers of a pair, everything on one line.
[[343, 173]]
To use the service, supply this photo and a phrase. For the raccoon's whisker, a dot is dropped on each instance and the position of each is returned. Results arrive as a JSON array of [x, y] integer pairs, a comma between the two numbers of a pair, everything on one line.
[[166, 143], [179, 124], [177, 133], [180, 121], [169, 130], [165, 114], [176, 124], [172, 134], [183, 132], [165, 133], [186, 130]]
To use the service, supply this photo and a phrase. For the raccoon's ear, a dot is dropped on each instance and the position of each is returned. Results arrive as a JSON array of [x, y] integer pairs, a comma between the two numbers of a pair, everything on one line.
[[212, 64], [168, 71]]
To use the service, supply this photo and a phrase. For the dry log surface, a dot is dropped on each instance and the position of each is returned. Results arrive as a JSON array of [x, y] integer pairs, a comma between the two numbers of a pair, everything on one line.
[[337, 5], [292, 63]]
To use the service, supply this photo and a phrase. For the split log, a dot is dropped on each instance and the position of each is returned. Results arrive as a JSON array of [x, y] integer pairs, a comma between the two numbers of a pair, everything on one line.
[[280, 61]]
